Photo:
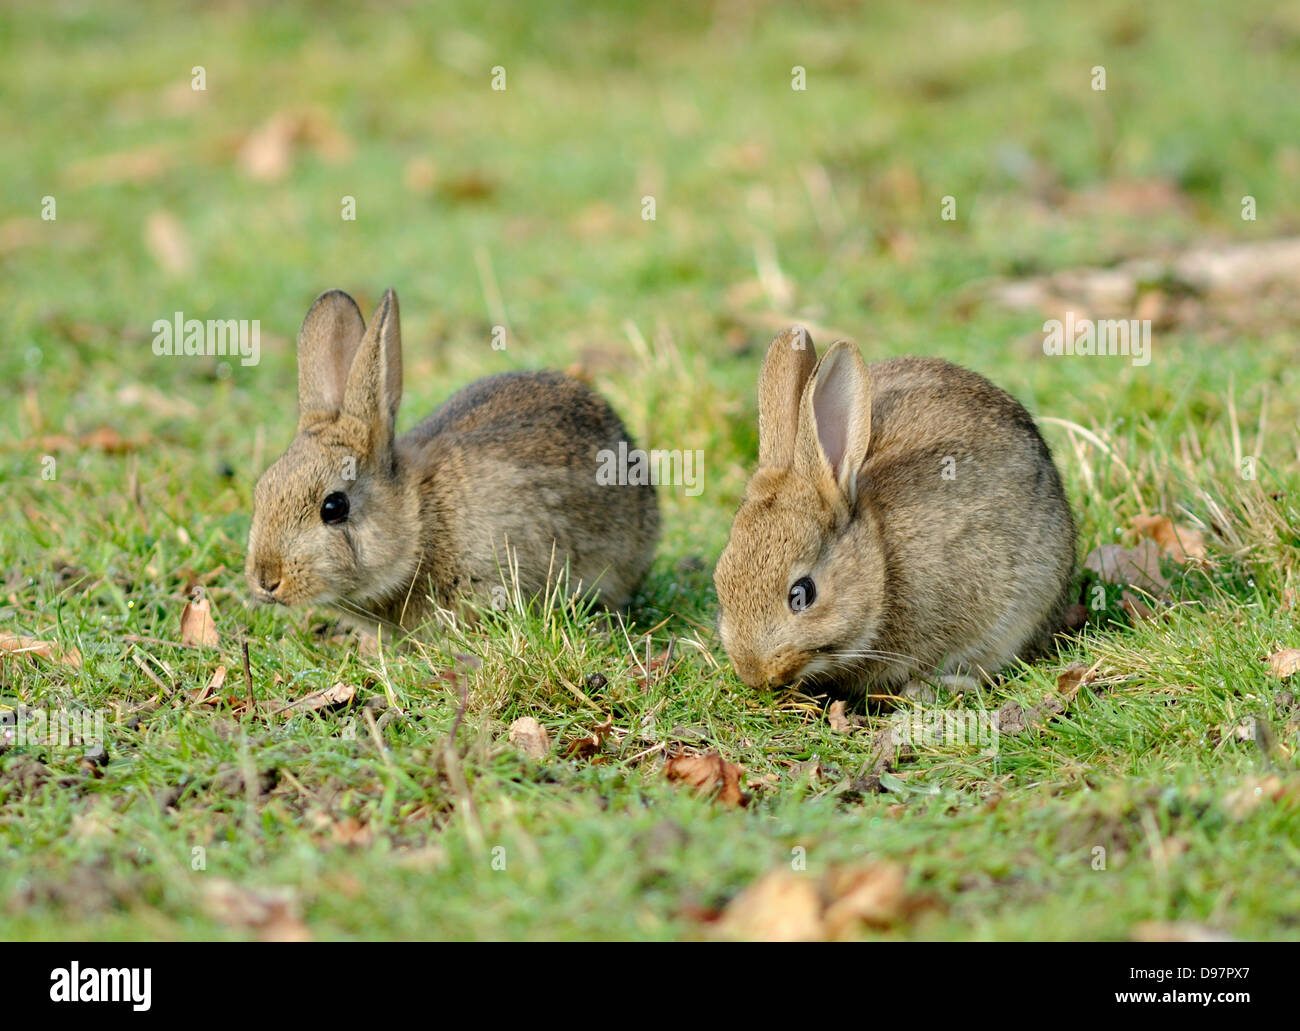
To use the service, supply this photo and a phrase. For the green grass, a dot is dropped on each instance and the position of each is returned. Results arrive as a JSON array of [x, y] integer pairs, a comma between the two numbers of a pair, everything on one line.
[[834, 192]]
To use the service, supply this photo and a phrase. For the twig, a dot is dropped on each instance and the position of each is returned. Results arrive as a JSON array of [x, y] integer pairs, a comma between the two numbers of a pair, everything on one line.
[[248, 678]]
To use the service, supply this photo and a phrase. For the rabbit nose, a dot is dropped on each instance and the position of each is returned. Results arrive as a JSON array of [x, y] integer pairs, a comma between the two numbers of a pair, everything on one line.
[[267, 579]]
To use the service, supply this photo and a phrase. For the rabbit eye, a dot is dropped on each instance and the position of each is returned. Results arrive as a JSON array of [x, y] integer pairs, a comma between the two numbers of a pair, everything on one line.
[[802, 594], [334, 509]]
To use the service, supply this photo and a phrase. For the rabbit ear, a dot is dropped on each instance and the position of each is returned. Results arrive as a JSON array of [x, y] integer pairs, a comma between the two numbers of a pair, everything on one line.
[[374, 384], [789, 363], [327, 344], [835, 421]]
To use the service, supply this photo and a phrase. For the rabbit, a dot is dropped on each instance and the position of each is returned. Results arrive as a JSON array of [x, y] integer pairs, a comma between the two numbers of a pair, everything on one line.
[[905, 521], [498, 483]]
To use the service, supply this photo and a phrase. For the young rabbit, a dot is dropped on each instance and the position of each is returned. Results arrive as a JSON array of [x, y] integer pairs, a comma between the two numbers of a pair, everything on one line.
[[500, 481], [905, 520]]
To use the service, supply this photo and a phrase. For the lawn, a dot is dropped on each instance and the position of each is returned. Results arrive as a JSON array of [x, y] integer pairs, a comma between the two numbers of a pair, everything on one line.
[[1158, 797]]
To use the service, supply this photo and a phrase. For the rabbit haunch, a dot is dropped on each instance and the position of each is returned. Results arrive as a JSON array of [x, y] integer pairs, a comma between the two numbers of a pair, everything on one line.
[[857, 559], [494, 488]]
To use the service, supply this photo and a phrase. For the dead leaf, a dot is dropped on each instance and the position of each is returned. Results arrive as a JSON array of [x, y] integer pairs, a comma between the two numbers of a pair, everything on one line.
[[1072, 678], [1254, 791], [780, 906], [1183, 544], [838, 720], [350, 831], [788, 906], [13, 644], [420, 175], [872, 894], [708, 774], [106, 439], [129, 166], [267, 153], [469, 186], [1138, 567], [530, 737], [197, 625], [1135, 607], [202, 694], [1284, 663], [812, 770], [586, 747], [273, 913], [326, 698], [18, 233], [167, 243]]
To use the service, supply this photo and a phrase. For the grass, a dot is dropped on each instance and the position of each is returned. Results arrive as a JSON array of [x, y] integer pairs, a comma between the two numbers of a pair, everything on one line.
[[772, 205]]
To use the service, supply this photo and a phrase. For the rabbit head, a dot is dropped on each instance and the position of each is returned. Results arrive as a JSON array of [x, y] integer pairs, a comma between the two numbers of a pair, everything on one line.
[[802, 580], [333, 517]]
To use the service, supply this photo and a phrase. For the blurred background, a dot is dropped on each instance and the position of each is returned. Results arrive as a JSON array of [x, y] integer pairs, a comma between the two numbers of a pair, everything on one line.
[[796, 160]]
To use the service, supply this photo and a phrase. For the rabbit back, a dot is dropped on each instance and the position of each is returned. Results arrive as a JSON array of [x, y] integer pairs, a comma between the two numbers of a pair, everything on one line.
[[511, 462]]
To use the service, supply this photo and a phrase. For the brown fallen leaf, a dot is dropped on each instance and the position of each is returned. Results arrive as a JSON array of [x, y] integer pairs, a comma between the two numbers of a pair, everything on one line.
[[31, 647], [1284, 663], [840, 721], [17, 233], [267, 153], [780, 906], [1135, 607], [420, 175], [274, 914], [1255, 791], [102, 438], [197, 625], [472, 185], [202, 694], [1072, 678], [167, 243], [15, 645], [788, 906], [350, 831], [128, 166], [530, 737], [106, 439], [591, 745], [1183, 544], [325, 698], [1137, 567], [709, 775], [873, 894]]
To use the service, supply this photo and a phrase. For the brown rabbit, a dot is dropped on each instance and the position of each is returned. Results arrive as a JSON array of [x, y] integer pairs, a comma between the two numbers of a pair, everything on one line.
[[905, 519], [500, 482]]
